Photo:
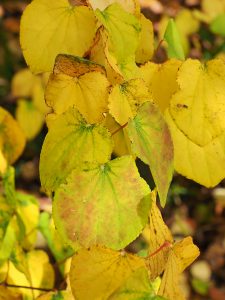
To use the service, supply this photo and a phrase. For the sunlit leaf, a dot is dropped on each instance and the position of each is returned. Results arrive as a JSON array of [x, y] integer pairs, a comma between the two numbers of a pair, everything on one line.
[[12, 139], [30, 119], [94, 208], [151, 142], [145, 48], [156, 74], [70, 142], [62, 28], [204, 165], [41, 274], [198, 107], [172, 37], [125, 99], [97, 272], [79, 83], [3, 163]]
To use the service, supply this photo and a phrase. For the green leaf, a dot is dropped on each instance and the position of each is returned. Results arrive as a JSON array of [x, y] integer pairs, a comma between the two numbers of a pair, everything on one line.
[[8, 242], [69, 143], [151, 142], [218, 25], [97, 204], [172, 37], [9, 186]]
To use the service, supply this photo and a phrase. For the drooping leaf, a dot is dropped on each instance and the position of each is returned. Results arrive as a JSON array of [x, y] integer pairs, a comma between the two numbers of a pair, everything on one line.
[[161, 80], [151, 142], [198, 107], [62, 28], [125, 98], [93, 207], [145, 48], [201, 164], [123, 30], [181, 256], [172, 37], [12, 139], [30, 118], [159, 239], [79, 83], [70, 142], [97, 272]]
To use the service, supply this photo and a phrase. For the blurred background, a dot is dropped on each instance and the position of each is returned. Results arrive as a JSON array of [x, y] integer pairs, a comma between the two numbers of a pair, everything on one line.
[[191, 209]]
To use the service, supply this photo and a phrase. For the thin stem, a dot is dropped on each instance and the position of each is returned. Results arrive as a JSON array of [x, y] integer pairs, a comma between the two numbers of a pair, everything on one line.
[[166, 244], [158, 47], [26, 287], [120, 128]]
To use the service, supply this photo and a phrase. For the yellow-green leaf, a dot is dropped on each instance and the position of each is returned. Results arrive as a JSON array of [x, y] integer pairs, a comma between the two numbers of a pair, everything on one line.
[[145, 48], [12, 139], [70, 142], [80, 83], [62, 28], [97, 272], [93, 207], [130, 6], [125, 98], [204, 165], [31, 120], [151, 142]]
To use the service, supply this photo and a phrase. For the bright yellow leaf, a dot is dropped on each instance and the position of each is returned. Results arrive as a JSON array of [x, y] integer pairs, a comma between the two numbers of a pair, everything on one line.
[[125, 99], [31, 120], [161, 80], [12, 139], [41, 274], [3, 163], [79, 83], [145, 48], [97, 272], [204, 165], [198, 107], [62, 28]]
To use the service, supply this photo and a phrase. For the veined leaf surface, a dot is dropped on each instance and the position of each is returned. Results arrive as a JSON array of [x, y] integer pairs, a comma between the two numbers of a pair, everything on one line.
[[69, 143], [151, 142], [62, 28], [93, 207]]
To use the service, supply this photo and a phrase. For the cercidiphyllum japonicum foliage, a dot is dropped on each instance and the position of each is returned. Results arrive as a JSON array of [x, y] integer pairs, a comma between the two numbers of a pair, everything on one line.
[[107, 96]]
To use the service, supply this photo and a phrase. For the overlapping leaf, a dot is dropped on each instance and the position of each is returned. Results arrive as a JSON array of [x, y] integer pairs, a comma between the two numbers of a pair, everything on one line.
[[130, 6], [62, 28], [12, 139], [151, 142], [125, 99], [93, 207], [97, 272], [80, 83], [70, 142]]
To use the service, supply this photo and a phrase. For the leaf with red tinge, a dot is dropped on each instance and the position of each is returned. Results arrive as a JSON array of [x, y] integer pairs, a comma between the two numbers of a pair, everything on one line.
[[151, 142]]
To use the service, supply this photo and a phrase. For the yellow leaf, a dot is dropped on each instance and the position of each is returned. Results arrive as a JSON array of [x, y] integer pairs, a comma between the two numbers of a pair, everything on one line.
[[125, 99], [204, 165], [161, 80], [61, 295], [69, 143], [62, 28], [131, 6], [12, 139], [7, 294], [213, 8], [97, 272], [30, 119], [198, 107], [180, 257], [41, 274], [145, 48], [122, 145], [3, 163], [158, 236], [79, 83], [37, 96], [93, 207], [22, 83]]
